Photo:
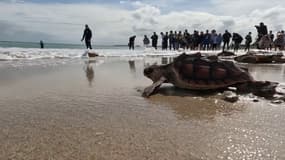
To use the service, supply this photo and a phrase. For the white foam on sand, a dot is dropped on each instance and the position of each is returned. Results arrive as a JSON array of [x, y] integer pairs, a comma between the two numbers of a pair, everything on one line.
[[8, 54], [32, 53]]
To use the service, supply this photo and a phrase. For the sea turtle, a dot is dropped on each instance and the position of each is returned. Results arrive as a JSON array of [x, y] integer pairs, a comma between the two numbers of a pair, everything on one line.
[[226, 53], [197, 72], [261, 57], [92, 54]]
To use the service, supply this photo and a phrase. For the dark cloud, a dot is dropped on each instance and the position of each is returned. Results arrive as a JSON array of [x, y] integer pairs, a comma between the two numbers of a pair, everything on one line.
[[228, 23], [141, 30], [137, 16]]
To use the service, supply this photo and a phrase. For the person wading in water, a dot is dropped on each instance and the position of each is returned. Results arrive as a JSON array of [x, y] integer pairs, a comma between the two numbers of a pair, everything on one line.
[[87, 35]]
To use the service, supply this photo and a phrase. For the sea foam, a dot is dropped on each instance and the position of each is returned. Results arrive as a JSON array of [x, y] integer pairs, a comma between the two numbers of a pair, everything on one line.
[[8, 54], [32, 53]]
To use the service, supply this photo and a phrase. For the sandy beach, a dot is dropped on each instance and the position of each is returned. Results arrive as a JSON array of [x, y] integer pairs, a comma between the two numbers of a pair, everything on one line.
[[93, 110]]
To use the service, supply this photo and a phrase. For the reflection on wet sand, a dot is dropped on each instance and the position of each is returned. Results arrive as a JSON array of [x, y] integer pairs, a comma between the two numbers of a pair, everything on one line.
[[132, 66], [88, 68], [270, 72], [157, 61], [195, 105], [166, 60]]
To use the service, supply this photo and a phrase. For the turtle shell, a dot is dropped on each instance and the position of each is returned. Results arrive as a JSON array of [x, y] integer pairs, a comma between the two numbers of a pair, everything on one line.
[[203, 73]]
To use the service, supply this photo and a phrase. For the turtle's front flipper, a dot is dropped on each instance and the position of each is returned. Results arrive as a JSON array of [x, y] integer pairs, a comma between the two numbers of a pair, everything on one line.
[[150, 89]]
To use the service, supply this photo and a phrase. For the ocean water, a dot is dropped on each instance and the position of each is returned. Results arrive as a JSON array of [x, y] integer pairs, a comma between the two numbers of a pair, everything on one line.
[[18, 55], [9, 44], [27, 53], [21, 51]]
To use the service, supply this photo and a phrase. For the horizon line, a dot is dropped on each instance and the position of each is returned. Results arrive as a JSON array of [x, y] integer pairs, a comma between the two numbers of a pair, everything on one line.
[[64, 43]]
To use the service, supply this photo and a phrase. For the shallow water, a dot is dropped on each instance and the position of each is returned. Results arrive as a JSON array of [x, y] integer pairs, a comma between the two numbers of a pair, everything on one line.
[[93, 110]]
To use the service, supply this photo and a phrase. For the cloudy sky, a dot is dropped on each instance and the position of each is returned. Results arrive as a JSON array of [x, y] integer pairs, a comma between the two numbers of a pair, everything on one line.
[[113, 21]]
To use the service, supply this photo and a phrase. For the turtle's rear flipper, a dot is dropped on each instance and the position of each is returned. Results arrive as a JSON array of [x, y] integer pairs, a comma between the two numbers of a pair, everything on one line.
[[264, 88], [261, 88], [150, 89]]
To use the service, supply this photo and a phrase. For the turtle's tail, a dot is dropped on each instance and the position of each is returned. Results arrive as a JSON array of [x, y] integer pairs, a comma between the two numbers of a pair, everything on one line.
[[265, 89]]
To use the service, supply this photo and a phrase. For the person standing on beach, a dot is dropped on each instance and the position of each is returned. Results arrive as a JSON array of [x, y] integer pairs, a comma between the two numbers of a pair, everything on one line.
[[180, 40], [201, 38], [171, 40], [261, 30], [237, 39], [176, 41], [219, 40], [42, 44], [226, 39], [271, 35], [154, 39], [279, 41], [214, 40], [87, 35], [194, 40], [206, 40], [132, 42], [164, 40], [146, 41], [248, 40], [187, 39]]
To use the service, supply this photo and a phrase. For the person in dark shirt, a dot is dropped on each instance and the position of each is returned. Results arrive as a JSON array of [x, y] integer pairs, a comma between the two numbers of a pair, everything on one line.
[[279, 41], [186, 39], [154, 39], [87, 35], [171, 40], [164, 40], [261, 31], [201, 38], [271, 36], [196, 40], [219, 41], [180, 39], [226, 39], [146, 41], [237, 39], [248, 40], [132, 42], [176, 41], [206, 40], [42, 44]]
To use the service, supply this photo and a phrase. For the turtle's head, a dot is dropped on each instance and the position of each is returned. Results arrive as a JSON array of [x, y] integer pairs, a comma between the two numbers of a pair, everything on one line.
[[153, 72]]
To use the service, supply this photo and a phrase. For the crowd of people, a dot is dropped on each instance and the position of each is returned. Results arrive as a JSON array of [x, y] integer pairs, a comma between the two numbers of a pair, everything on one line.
[[174, 40], [198, 40], [208, 40], [211, 40]]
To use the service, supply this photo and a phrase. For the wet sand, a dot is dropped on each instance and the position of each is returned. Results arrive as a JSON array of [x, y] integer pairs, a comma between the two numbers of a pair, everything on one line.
[[94, 110]]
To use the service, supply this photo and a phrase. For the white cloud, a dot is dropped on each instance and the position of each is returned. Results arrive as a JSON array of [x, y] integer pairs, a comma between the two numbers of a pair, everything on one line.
[[242, 7], [113, 25], [123, 2]]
